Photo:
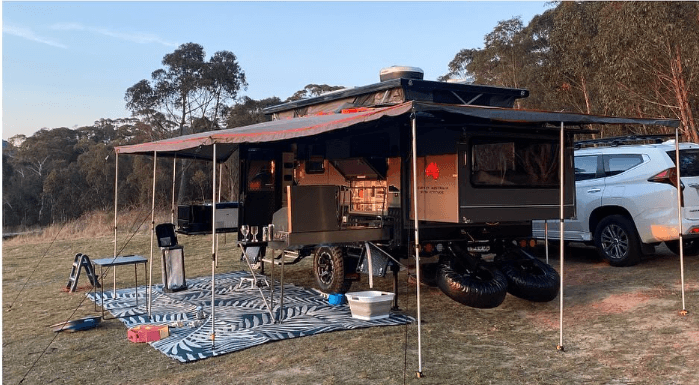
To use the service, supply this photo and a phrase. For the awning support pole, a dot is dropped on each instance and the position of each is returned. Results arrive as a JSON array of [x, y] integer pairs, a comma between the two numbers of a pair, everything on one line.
[[546, 240], [218, 199], [413, 118], [213, 246], [561, 230], [174, 176], [152, 237], [679, 215], [116, 199]]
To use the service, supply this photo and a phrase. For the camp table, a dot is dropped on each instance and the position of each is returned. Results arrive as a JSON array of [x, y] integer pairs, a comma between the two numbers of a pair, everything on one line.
[[114, 262]]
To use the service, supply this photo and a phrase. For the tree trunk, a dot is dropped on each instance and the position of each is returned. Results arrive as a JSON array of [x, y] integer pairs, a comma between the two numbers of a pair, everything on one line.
[[588, 109], [681, 94], [184, 164], [184, 176]]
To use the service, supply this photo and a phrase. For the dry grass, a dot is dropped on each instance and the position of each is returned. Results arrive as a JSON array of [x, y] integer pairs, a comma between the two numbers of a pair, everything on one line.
[[91, 225], [621, 325]]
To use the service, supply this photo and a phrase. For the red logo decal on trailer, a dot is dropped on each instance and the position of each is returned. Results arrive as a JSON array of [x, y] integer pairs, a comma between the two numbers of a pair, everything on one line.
[[432, 170]]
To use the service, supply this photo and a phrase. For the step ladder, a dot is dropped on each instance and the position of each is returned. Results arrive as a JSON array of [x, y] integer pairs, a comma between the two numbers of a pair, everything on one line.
[[81, 261]]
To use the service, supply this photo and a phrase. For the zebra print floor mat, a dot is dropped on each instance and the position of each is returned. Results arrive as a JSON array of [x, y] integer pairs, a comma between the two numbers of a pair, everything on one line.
[[241, 317]]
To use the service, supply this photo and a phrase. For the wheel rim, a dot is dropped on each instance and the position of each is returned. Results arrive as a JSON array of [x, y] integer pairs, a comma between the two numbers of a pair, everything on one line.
[[615, 242], [324, 268]]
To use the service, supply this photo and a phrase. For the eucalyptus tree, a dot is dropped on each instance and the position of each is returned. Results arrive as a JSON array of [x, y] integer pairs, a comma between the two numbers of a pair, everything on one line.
[[649, 53], [312, 90], [458, 67], [501, 62], [176, 84], [187, 88], [249, 111], [571, 60], [188, 92], [503, 57], [142, 101], [222, 80]]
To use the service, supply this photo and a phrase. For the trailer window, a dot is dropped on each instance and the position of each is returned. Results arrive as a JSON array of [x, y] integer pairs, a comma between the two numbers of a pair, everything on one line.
[[261, 175], [514, 162]]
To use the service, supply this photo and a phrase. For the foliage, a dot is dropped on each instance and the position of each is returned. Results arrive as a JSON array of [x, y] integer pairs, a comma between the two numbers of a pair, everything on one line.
[[312, 90], [249, 111], [188, 91], [634, 59]]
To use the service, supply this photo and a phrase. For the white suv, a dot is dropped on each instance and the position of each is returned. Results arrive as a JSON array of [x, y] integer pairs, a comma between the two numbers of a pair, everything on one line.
[[626, 199]]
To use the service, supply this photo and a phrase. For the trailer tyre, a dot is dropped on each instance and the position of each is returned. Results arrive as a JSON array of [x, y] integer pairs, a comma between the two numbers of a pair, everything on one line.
[[329, 270], [483, 287], [690, 247], [528, 277]]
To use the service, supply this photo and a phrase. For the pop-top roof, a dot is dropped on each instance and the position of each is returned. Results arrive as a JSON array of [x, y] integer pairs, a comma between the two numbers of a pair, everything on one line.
[[397, 91]]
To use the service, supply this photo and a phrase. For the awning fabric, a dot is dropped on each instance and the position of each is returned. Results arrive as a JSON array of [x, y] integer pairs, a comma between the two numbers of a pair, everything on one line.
[[199, 145]]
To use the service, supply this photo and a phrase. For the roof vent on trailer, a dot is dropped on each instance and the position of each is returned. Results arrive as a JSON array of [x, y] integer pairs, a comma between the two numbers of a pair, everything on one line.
[[395, 72]]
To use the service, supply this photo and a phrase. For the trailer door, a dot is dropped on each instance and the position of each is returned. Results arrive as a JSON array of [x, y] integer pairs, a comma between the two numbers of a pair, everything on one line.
[[260, 185]]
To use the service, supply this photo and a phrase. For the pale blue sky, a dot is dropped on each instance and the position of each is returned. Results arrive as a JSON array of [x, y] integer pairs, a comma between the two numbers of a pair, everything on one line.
[[68, 64]]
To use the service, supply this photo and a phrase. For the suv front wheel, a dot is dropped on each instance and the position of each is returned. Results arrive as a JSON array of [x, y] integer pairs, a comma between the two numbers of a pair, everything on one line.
[[617, 241]]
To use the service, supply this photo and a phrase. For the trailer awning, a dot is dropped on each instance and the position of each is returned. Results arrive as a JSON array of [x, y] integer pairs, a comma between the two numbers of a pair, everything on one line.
[[199, 145]]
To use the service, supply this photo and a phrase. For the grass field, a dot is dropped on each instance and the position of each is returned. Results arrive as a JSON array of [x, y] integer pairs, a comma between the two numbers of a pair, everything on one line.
[[621, 326]]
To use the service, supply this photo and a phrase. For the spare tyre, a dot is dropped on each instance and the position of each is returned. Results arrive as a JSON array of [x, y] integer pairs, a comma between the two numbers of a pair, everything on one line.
[[528, 277], [482, 286]]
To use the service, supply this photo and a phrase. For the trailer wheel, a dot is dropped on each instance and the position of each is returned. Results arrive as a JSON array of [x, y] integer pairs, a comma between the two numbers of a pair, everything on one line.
[[690, 247], [329, 270], [528, 277], [482, 287]]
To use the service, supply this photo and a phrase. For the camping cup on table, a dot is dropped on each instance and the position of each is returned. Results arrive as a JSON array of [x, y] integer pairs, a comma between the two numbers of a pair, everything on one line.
[[265, 234], [245, 230]]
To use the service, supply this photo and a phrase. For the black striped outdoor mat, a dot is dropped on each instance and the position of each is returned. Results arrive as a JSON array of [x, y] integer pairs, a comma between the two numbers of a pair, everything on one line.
[[240, 316]]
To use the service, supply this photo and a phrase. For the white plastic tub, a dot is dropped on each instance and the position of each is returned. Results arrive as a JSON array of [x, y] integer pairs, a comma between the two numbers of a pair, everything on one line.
[[370, 305]]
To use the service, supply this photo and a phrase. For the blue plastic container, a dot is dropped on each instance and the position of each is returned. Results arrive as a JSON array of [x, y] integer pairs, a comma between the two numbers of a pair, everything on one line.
[[336, 299]]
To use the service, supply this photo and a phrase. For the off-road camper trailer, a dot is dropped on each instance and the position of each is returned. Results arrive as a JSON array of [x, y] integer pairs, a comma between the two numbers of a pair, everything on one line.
[[342, 177], [341, 194]]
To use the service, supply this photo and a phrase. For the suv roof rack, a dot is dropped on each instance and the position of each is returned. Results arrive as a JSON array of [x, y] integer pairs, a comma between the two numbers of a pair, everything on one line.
[[617, 140]]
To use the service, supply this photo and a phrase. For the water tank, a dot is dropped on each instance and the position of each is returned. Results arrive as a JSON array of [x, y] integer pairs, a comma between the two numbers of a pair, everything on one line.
[[395, 72]]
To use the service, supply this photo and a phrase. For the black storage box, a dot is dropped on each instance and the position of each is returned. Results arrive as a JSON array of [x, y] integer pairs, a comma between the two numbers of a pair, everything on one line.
[[196, 218]]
